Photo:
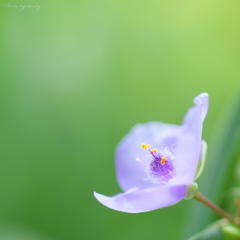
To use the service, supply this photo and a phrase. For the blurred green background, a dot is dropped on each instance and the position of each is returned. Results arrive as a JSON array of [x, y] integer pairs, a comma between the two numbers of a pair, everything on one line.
[[75, 77]]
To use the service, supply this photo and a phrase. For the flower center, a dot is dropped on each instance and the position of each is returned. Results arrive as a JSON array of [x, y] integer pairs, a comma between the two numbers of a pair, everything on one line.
[[160, 167]]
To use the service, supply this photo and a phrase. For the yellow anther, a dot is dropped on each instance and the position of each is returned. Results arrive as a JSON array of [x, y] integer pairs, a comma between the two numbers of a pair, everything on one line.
[[153, 150], [145, 146], [163, 160]]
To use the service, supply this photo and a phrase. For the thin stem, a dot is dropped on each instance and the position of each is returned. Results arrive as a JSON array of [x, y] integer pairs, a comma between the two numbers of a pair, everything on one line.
[[214, 207]]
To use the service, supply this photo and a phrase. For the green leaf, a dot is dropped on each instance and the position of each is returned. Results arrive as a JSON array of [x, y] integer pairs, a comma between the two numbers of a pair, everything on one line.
[[213, 232], [230, 200], [201, 163]]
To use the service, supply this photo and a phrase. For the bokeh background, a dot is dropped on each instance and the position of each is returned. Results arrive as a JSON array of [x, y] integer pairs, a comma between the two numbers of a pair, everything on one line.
[[75, 77]]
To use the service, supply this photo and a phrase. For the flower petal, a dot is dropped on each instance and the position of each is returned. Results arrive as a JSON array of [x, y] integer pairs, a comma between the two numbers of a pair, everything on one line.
[[143, 200], [131, 173], [189, 141]]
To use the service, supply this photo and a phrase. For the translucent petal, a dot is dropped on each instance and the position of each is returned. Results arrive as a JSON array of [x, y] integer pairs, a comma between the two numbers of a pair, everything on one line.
[[142, 200], [189, 141]]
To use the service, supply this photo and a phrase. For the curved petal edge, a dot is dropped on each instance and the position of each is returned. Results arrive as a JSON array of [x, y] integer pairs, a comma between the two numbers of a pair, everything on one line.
[[143, 200]]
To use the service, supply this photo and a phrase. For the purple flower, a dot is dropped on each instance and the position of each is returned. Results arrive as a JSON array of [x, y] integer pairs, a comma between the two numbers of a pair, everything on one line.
[[158, 175]]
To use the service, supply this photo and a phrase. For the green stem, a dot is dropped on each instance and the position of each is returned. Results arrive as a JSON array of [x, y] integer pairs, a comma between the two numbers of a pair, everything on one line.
[[214, 207]]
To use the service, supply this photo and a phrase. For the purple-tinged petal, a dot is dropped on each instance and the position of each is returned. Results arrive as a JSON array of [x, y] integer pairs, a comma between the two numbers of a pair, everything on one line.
[[189, 141], [144, 200], [130, 173], [202, 101]]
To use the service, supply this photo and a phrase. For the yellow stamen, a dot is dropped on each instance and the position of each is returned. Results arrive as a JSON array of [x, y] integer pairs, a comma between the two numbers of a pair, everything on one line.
[[163, 160], [153, 150], [145, 146]]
